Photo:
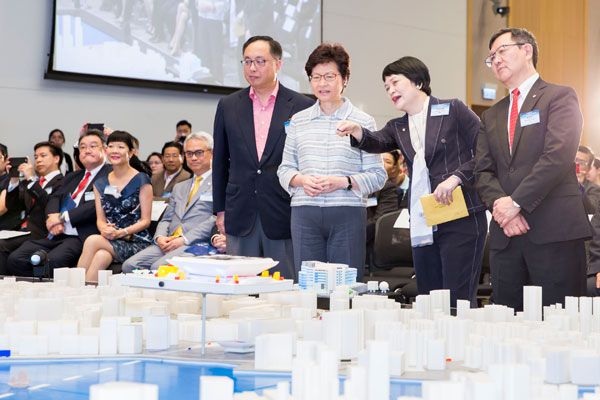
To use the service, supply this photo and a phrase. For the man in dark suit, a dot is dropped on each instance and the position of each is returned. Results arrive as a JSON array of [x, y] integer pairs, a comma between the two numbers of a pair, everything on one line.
[[164, 182], [28, 197], [526, 174], [250, 204], [591, 192], [71, 212]]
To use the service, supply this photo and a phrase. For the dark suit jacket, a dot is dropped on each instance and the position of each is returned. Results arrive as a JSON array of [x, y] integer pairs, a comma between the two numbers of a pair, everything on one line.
[[540, 173], [33, 202], [158, 182], [591, 197], [82, 217], [243, 186], [450, 142]]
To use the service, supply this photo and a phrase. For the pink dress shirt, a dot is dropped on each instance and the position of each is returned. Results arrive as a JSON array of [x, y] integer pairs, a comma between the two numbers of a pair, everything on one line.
[[262, 118]]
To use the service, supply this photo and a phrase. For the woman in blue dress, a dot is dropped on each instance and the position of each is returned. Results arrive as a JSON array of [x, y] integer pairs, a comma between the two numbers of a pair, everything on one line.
[[123, 208]]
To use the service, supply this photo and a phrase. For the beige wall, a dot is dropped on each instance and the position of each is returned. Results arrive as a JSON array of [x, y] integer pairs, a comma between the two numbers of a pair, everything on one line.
[[592, 97]]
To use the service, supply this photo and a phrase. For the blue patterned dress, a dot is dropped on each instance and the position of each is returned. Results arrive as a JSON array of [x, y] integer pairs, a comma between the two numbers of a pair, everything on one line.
[[123, 211]]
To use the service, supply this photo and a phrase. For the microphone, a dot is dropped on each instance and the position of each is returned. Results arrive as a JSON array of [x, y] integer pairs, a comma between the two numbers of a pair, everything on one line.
[[39, 257], [39, 260]]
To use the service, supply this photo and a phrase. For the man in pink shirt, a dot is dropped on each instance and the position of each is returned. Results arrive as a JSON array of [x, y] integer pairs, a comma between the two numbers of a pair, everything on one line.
[[249, 132]]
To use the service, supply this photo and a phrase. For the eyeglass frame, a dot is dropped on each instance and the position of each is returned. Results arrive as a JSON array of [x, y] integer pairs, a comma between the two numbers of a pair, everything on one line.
[[489, 60], [317, 78], [196, 153], [258, 62], [92, 147]]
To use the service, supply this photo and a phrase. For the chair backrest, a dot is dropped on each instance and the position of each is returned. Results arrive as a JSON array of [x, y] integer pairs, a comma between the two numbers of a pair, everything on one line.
[[391, 246]]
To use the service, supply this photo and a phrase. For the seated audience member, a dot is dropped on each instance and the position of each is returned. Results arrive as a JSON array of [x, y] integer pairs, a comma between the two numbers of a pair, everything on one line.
[[28, 197], [123, 208], [71, 212], [594, 172], [155, 163], [188, 217], [182, 129], [4, 178], [387, 197], [591, 192], [593, 268], [162, 184], [135, 162], [57, 138]]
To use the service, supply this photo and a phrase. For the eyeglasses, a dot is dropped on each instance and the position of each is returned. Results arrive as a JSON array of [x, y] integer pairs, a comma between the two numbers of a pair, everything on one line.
[[500, 51], [329, 77], [197, 153], [258, 62], [84, 147]]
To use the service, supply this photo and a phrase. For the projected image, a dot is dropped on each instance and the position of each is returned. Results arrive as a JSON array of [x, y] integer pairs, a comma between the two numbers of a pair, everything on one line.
[[190, 41]]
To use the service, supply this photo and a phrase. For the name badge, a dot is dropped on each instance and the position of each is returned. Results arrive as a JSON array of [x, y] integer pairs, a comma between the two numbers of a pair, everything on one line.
[[206, 197], [112, 191], [530, 118], [440, 109], [88, 196]]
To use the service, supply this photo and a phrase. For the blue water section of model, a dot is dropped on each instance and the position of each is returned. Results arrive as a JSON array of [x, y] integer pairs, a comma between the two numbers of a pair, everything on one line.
[[70, 379]]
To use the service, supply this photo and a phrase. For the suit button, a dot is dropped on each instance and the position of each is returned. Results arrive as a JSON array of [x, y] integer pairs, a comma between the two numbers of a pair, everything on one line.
[[511, 170], [256, 192], [259, 172], [443, 140]]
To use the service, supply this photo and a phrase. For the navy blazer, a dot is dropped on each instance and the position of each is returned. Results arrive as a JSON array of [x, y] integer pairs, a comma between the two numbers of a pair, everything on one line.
[[243, 186], [539, 175], [33, 202], [82, 217], [450, 142]]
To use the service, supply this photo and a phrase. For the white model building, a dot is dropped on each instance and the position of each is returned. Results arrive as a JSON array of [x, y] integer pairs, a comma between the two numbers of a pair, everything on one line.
[[323, 278], [485, 353]]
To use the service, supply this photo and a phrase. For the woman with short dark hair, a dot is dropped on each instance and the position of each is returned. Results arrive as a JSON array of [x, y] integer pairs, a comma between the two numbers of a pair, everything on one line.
[[438, 139], [328, 180], [123, 208]]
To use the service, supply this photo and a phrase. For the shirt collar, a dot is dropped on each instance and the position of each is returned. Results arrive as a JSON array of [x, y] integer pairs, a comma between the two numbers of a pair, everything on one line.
[[342, 113], [173, 174], [94, 171], [49, 176], [526, 85], [272, 97], [205, 175]]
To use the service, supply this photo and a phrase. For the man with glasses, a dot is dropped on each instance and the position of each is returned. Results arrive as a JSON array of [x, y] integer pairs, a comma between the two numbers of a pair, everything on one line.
[[525, 173], [71, 212], [251, 207], [188, 218], [164, 182]]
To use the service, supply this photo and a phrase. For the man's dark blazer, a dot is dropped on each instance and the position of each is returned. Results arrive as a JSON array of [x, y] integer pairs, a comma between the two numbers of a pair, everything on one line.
[[539, 175], [449, 144], [82, 217], [243, 186], [33, 201], [591, 197]]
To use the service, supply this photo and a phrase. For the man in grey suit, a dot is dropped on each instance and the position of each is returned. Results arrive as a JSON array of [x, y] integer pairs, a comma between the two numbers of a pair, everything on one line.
[[189, 216]]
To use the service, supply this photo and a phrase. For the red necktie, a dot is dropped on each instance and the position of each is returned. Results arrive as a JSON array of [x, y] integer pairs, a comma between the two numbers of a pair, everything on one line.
[[514, 113], [42, 181], [82, 185]]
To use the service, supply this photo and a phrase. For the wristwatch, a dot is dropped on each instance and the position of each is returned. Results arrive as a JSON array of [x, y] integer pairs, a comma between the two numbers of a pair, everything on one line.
[[349, 187]]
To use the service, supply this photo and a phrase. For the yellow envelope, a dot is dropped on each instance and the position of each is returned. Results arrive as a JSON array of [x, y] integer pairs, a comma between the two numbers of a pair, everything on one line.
[[438, 213]]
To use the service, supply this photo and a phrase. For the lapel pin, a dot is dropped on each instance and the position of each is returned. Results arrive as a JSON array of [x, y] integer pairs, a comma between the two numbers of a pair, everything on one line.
[[534, 96]]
